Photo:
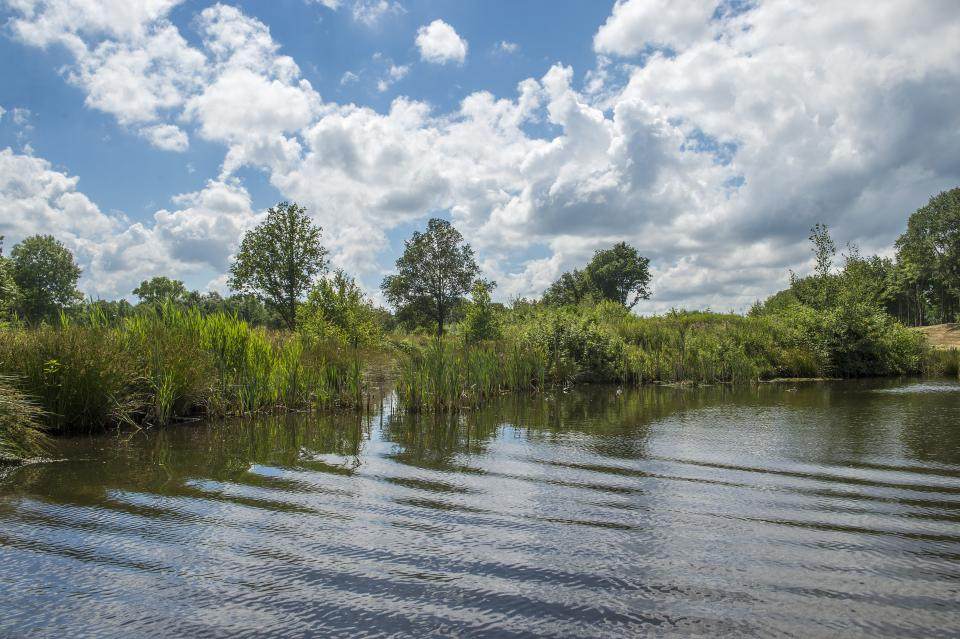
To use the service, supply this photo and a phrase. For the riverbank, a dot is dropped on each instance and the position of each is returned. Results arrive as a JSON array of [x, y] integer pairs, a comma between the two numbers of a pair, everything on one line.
[[172, 364], [942, 336]]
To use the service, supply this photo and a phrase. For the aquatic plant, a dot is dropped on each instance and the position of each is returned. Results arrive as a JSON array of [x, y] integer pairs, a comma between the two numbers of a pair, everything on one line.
[[171, 363], [21, 424]]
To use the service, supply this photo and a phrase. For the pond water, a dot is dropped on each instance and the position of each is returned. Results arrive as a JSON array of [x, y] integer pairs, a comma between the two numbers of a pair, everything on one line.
[[804, 510]]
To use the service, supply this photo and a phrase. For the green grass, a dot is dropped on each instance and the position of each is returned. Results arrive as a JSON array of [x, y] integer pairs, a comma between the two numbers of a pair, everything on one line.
[[559, 347], [170, 364], [943, 361], [21, 425]]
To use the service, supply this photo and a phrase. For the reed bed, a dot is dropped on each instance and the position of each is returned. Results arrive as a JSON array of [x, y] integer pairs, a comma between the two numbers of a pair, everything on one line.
[[448, 375], [22, 433], [546, 347], [943, 361], [171, 364]]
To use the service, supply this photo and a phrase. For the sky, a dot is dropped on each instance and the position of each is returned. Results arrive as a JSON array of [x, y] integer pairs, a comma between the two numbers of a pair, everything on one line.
[[711, 134]]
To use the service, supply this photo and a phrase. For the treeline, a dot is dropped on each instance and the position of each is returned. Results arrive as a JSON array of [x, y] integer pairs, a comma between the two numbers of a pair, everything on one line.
[[283, 261], [921, 284]]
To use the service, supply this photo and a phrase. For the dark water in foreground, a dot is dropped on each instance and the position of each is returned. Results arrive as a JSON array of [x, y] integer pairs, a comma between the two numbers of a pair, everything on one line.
[[828, 510]]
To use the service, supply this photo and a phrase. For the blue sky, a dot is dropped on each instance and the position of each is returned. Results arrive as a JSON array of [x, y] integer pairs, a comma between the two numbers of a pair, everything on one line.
[[120, 173], [710, 134]]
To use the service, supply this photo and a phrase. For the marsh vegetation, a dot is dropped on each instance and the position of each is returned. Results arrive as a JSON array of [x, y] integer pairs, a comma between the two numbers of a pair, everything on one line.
[[297, 337]]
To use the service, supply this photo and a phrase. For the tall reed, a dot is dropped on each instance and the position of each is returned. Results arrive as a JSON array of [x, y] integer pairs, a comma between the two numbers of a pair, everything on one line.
[[21, 425], [172, 363]]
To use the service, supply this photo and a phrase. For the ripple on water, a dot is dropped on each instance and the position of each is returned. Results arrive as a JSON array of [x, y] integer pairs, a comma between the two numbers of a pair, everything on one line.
[[750, 513]]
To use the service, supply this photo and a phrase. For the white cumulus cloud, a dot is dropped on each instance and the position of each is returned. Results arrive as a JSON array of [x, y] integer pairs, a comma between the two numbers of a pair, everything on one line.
[[635, 24], [713, 154], [439, 43]]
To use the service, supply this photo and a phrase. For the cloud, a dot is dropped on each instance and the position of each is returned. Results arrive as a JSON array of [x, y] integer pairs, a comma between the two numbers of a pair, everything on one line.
[[636, 24], [196, 237], [132, 63], [506, 47], [349, 77], [20, 116], [393, 75], [713, 154], [369, 12], [167, 137], [439, 43]]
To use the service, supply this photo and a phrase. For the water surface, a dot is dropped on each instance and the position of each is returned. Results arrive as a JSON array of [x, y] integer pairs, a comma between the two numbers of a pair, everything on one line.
[[804, 511]]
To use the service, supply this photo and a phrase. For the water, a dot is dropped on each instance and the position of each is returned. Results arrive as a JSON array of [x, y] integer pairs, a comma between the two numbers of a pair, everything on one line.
[[814, 510]]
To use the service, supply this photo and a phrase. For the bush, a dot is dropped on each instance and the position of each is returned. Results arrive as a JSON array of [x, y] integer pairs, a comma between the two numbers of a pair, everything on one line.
[[482, 319]]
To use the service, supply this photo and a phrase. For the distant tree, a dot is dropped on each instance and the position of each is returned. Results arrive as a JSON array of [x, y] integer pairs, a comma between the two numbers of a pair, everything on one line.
[[160, 289], [46, 275], [110, 311], [337, 308], [279, 260], [9, 293], [482, 319], [435, 271], [619, 274], [569, 289], [931, 245], [823, 249]]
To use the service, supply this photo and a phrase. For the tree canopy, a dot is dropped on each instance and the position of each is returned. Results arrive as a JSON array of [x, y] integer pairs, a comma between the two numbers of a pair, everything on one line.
[[928, 258], [160, 289], [46, 275], [435, 271], [619, 274], [280, 259]]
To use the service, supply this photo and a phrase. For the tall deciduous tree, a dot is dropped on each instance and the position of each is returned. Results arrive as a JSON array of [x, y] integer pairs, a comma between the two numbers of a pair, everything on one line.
[[618, 274], [279, 260], [931, 244], [46, 276], [436, 270], [160, 289]]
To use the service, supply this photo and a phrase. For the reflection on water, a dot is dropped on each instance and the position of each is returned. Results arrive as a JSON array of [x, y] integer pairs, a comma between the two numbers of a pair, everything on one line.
[[815, 510]]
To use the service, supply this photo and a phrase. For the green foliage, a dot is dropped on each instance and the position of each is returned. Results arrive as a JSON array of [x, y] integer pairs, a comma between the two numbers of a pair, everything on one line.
[[447, 375], [46, 276], [482, 320], [570, 289], [160, 289], [823, 249], [82, 376], [21, 429], [279, 260], [928, 260], [9, 292], [168, 364], [337, 309], [841, 318], [576, 346], [619, 274], [435, 271]]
